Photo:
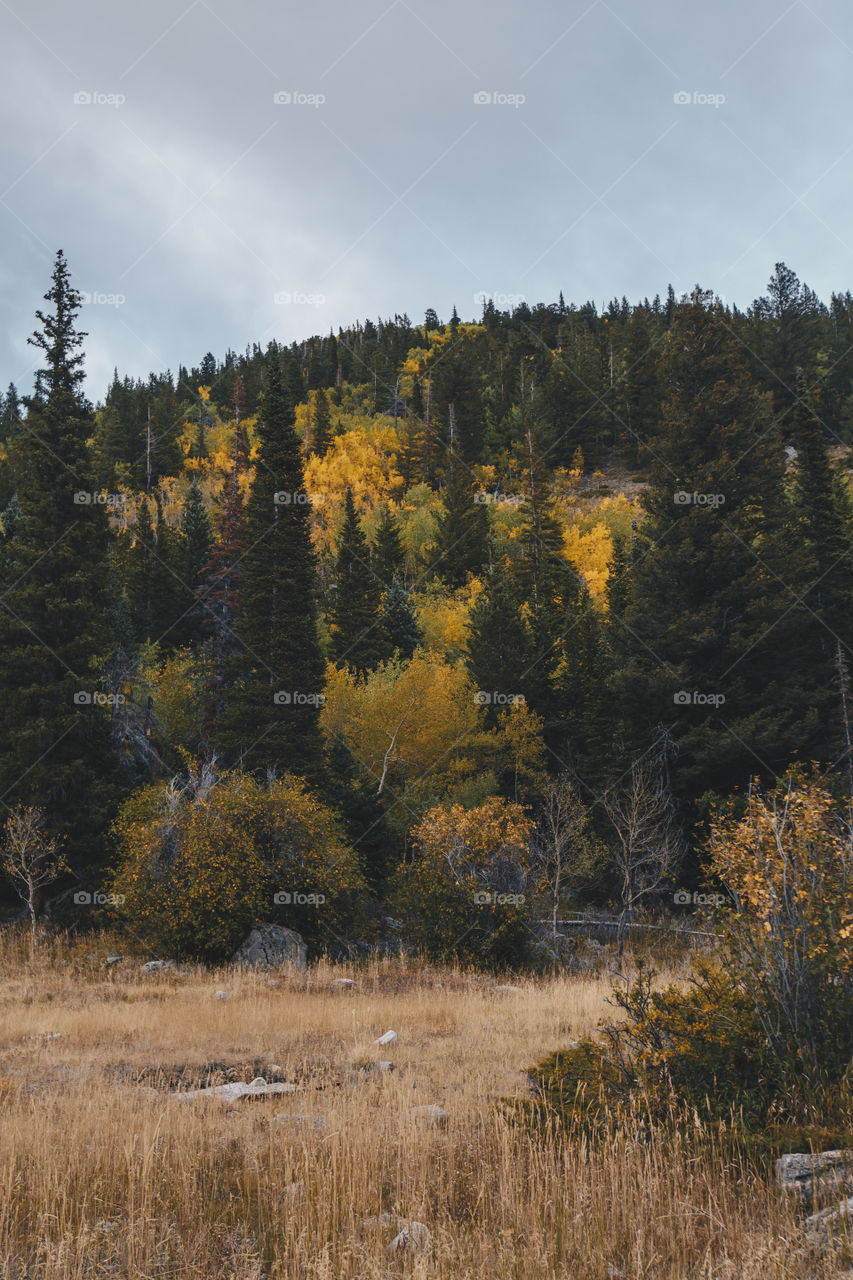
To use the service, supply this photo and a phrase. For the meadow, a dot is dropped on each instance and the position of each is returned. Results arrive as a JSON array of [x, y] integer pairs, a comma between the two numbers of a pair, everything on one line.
[[105, 1172]]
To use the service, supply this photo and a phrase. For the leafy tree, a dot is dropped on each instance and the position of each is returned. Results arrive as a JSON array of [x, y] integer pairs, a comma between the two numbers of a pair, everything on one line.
[[203, 857], [466, 891]]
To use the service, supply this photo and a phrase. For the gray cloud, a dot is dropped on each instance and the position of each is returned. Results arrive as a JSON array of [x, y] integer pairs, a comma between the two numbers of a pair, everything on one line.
[[198, 199]]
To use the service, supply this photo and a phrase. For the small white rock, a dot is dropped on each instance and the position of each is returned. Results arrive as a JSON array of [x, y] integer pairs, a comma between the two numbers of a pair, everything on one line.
[[431, 1114], [415, 1235], [390, 1037], [341, 984], [223, 995], [309, 1122]]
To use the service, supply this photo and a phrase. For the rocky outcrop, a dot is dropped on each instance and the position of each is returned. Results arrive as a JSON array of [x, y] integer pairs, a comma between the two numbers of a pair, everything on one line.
[[271, 944]]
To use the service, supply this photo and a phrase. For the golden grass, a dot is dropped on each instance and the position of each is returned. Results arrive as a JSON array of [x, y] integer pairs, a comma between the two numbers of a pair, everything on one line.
[[104, 1174]]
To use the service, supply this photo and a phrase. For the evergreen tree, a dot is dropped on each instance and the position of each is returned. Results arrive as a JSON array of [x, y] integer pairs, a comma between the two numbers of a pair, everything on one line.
[[500, 651], [355, 615], [10, 414], [718, 634], [387, 557], [462, 542], [276, 677], [399, 630], [54, 744], [191, 556], [363, 816], [321, 424], [219, 592]]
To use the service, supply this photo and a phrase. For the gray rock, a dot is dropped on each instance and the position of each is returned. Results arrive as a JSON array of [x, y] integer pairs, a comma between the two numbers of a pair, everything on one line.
[[156, 966], [272, 944], [379, 1066], [415, 1235], [508, 990], [223, 995], [390, 1037], [430, 1114], [111, 960], [812, 1177], [238, 1089], [341, 984], [831, 1223], [306, 1122]]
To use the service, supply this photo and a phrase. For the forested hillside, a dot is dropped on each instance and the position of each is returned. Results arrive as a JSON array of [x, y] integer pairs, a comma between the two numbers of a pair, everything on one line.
[[466, 623]]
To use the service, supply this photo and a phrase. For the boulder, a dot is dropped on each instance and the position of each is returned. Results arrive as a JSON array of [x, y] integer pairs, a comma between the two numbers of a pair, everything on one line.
[[430, 1114], [238, 1089], [831, 1223], [111, 960], [811, 1177], [390, 1037], [272, 944], [223, 995], [516, 991], [156, 966], [415, 1235], [341, 984]]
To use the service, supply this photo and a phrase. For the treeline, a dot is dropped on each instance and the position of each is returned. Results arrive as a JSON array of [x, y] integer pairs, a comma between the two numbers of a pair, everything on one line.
[[369, 561]]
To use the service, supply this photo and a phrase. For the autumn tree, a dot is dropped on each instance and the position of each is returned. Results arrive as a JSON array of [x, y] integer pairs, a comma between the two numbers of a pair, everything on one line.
[[32, 858], [567, 856]]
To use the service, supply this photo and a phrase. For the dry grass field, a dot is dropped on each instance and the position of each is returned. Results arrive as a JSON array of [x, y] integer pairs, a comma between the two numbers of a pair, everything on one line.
[[105, 1173]]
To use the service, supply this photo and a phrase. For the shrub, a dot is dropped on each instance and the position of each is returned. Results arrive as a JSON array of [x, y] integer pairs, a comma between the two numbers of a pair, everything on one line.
[[465, 891], [201, 859], [765, 1029]]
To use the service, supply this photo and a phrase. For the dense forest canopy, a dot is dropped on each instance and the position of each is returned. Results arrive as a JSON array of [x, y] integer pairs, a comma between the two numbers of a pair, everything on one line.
[[430, 569]]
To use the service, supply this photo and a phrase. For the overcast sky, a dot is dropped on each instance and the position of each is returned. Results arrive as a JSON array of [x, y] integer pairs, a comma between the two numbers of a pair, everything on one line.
[[200, 213]]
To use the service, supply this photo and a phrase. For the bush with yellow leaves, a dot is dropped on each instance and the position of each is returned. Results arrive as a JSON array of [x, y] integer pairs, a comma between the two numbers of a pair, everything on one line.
[[764, 1028], [204, 858], [465, 891]]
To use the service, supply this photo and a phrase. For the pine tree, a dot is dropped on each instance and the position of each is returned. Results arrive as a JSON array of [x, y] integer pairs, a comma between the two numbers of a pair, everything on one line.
[[387, 557], [321, 424], [355, 615], [399, 630], [714, 608], [192, 554], [10, 416], [276, 677], [500, 651], [54, 746], [462, 541], [219, 592], [363, 816]]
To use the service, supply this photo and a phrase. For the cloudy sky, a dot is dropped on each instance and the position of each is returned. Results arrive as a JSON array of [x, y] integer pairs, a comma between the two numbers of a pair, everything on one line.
[[224, 172]]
